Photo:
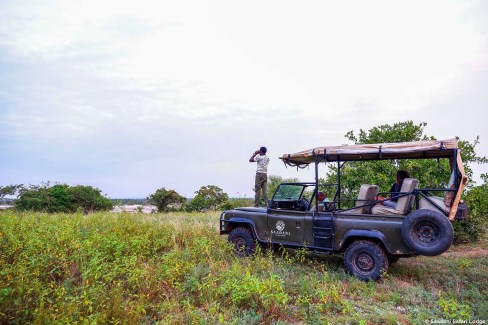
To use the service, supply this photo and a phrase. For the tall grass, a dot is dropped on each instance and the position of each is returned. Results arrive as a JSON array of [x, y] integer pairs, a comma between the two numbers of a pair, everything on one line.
[[177, 269]]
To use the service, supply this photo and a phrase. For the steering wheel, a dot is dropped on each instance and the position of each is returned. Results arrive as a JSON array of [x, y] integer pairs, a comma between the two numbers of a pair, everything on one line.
[[302, 204]]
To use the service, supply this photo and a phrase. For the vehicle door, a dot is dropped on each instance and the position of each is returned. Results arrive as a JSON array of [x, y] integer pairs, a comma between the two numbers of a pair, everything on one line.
[[286, 215]]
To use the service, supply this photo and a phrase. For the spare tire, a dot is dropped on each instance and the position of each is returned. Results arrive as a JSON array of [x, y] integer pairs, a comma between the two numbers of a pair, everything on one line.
[[427, 232]]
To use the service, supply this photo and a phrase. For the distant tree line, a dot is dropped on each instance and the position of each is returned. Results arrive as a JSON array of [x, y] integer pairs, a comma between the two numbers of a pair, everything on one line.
[[127, 201], [56, 198], [207, 198], [62, 198]]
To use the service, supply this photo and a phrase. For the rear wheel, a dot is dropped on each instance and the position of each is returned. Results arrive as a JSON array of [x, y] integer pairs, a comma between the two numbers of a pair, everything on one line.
[[366, 260], [427, 232], [243, 241]]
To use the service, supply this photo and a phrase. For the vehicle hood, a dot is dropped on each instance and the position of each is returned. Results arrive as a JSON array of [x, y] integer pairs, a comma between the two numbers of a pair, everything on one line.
[[252, 209]]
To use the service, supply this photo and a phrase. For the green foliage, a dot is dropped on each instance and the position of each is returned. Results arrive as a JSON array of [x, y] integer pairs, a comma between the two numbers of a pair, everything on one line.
[[398, 132], [469, 156], [166, 200], [476, 200], [89, 199], [245, 289], [451, 309], [62, 198], [175, 268], [207, 198], [430, 172]]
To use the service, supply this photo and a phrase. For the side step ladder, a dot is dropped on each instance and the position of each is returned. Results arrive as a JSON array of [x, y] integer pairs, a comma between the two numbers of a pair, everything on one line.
[[323, 232]]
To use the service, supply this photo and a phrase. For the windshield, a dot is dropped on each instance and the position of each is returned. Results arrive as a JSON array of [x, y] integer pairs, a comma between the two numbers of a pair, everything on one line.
[[288, 192]]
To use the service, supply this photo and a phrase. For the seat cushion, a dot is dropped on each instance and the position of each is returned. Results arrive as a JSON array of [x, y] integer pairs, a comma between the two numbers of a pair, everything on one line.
[[366, 195], [381, 209], [425, 204]]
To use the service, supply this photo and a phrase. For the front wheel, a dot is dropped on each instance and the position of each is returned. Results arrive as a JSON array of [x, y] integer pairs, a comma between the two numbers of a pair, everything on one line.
[[366, 260], [243, 241]]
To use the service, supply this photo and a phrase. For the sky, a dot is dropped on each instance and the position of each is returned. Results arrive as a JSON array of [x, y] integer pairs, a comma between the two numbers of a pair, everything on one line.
[[132, 96]]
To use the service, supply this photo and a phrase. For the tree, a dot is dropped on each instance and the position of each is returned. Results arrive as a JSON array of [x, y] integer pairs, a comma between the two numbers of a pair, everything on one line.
[[430, 172], [62, 198], [208, 197], [166, 200], [89, 199]]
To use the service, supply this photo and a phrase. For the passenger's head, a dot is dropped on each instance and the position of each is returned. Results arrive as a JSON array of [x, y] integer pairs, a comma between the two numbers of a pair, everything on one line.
[[321, 196], [401, 175], [263, 150]]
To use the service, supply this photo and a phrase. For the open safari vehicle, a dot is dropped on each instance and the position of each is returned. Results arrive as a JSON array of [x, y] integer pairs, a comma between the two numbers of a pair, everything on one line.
[[369, 234]]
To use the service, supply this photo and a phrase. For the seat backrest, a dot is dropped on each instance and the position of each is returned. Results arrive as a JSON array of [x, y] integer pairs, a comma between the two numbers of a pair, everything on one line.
[[425, 204], [449, 195], [366, 195], [404, 204]]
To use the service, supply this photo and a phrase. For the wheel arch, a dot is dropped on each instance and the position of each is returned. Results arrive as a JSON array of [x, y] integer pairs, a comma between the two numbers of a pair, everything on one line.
[[233, 223], [358, 234]]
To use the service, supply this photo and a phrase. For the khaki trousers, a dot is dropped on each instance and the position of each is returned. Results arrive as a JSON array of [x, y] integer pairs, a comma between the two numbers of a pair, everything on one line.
[[261, 185]]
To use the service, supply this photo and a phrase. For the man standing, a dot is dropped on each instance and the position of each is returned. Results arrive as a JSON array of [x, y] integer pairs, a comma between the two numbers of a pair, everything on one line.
[[261, 183]]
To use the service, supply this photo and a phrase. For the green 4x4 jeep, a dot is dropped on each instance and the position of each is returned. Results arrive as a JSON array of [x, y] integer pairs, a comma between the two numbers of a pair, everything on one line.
[[370, 235]]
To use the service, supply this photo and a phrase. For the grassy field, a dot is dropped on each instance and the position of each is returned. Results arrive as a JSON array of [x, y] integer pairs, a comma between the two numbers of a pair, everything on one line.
[[176, 269]]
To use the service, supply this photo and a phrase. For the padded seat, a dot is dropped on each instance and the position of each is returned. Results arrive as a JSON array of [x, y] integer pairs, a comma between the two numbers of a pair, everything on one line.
[[366, 195], [425, 204], [404, 203]]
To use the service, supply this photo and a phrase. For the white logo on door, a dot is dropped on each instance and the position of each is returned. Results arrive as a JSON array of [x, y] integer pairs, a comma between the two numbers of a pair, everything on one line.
[[280, 225]]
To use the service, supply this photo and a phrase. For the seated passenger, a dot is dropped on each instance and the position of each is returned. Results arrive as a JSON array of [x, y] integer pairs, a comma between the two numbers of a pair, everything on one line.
[[395, 189], [321, 200]]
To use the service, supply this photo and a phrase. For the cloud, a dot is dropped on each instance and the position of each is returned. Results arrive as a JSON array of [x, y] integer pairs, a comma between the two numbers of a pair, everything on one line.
[[130, 96]]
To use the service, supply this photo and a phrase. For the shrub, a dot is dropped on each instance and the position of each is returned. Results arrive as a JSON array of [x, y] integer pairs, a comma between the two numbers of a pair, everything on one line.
[[208, 197], [166, 200], [62, 198], [476, 200], [89, 199]]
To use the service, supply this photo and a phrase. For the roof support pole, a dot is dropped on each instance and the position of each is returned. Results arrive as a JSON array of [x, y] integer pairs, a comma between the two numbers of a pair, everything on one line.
[[316, 181], [338, 184], [455, 168]]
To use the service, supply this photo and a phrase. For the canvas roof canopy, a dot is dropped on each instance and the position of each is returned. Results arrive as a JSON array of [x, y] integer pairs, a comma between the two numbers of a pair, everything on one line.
[[400, 150]]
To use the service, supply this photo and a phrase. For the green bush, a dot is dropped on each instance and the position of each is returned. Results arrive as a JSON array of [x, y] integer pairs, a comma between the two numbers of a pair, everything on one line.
[[62, 198], [208, 198], [166, 200], [476, 200], [175, 268]]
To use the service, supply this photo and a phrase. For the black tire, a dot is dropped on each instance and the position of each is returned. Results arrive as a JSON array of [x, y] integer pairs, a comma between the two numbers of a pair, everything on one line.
[[427, 232], [243, 241], [366, 260]]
